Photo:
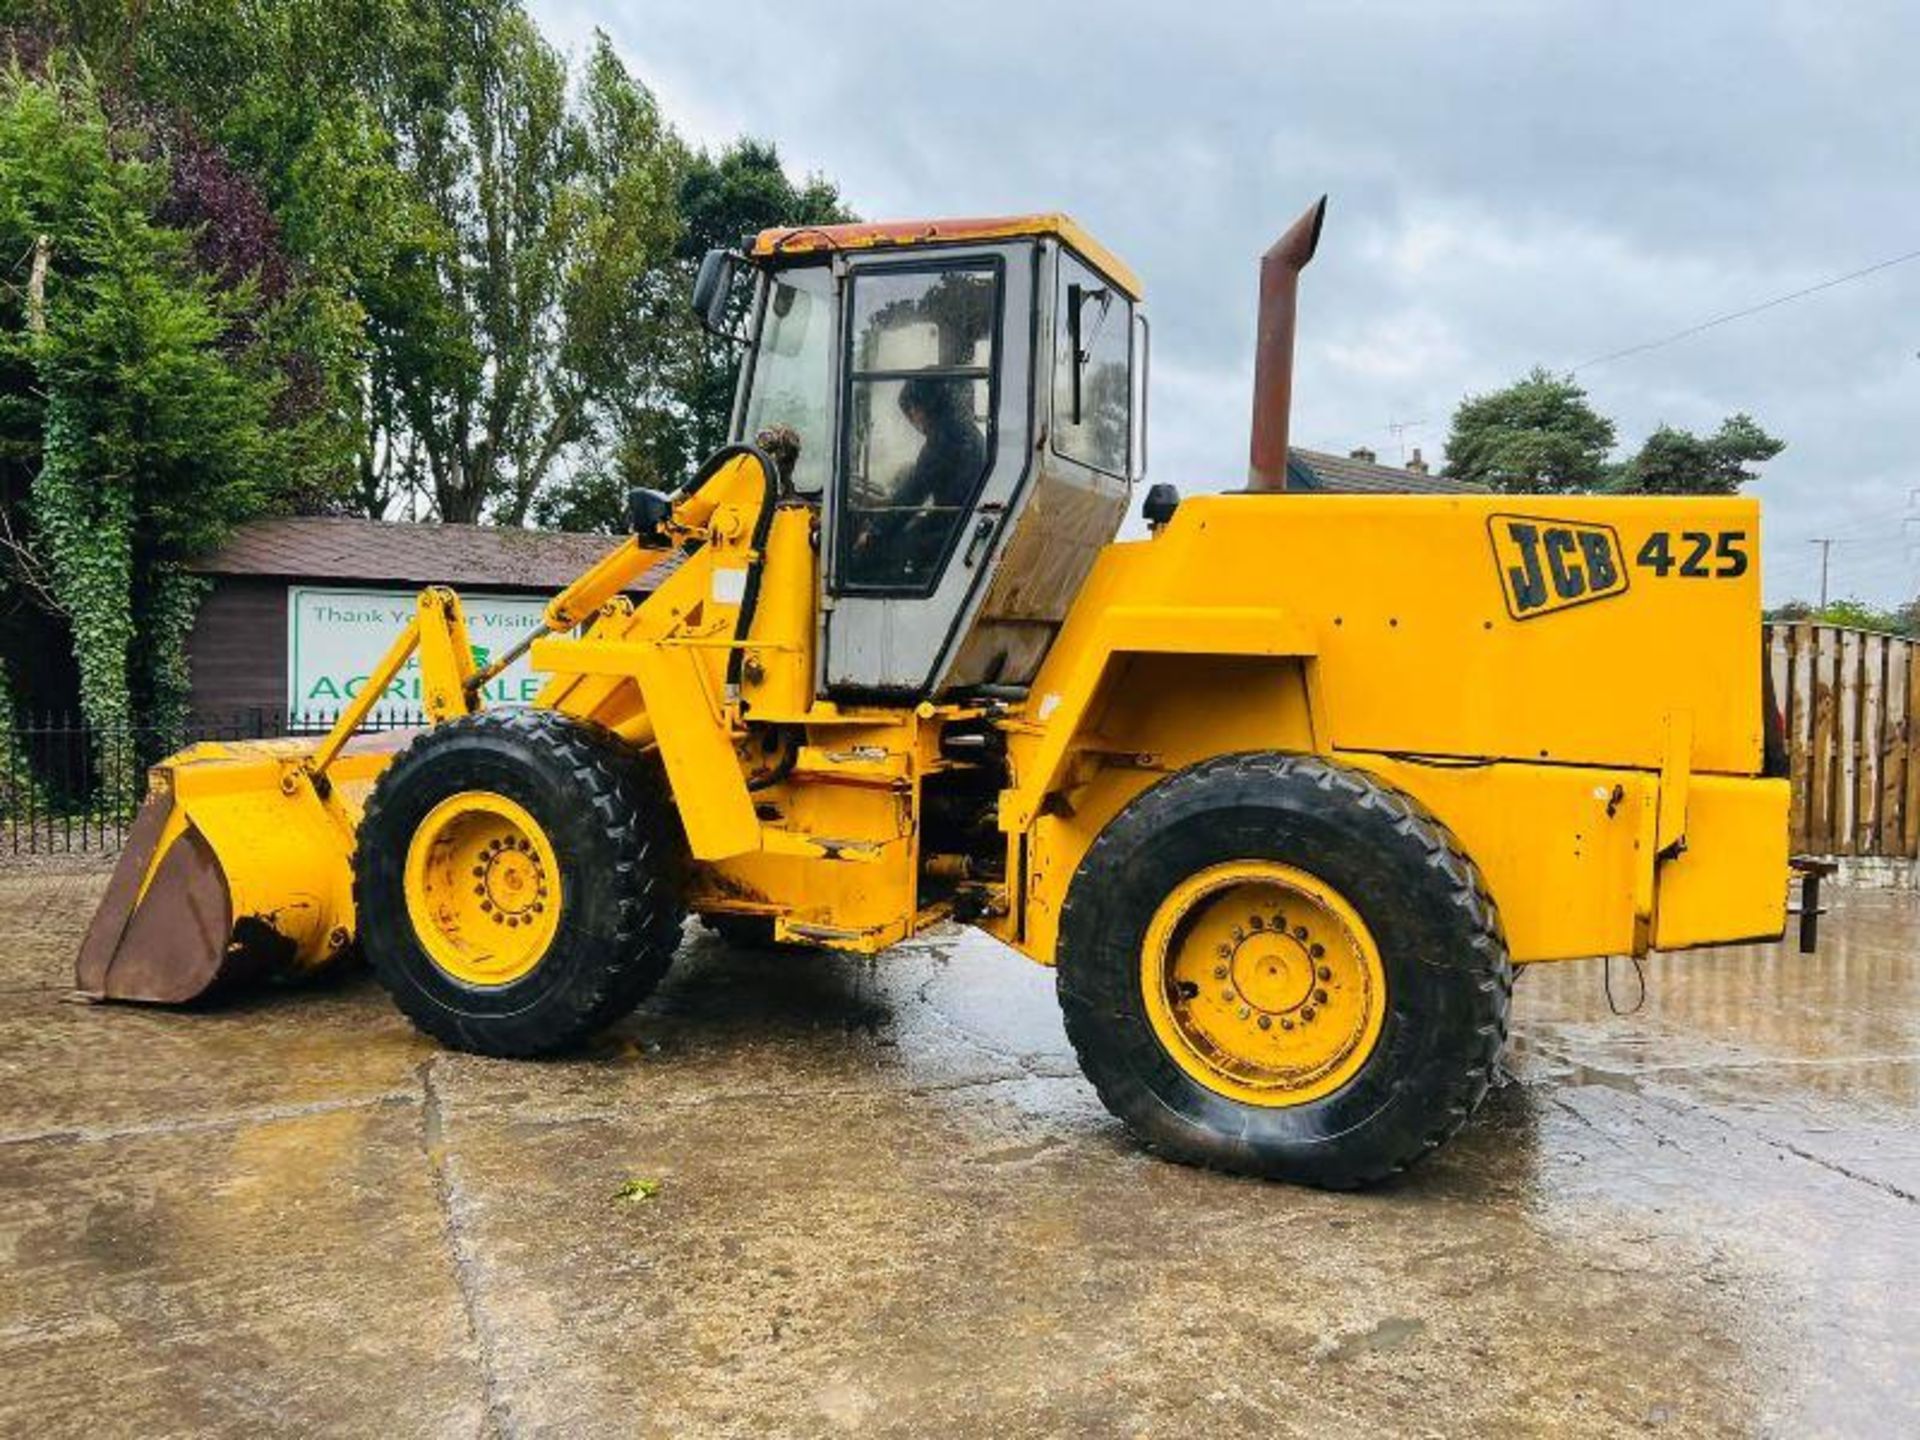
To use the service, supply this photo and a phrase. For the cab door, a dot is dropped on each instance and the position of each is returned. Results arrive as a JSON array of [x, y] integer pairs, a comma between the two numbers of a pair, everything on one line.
[[935, 402]]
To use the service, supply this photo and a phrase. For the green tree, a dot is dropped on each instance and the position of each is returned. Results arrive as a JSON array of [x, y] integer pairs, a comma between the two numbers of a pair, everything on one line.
[[726, 199], [1679, 462], [495, 247], [666, 421], [557, 205], [143, 402], [1854, 614], [238, 80], [1537, 436], [497, 221]]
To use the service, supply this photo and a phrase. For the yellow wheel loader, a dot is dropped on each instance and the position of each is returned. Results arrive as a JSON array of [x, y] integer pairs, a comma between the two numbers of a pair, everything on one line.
[[1283, 788]]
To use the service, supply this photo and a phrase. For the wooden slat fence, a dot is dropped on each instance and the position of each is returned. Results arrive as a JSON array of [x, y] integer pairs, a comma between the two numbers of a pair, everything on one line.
[[1851, 702]]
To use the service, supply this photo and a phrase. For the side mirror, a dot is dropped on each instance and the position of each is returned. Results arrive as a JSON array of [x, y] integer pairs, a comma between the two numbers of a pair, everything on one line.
[[713, 288], [647, 514], [1162, 500]]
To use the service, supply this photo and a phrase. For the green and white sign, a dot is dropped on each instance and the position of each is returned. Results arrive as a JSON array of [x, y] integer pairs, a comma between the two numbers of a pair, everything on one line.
[[336, 637]]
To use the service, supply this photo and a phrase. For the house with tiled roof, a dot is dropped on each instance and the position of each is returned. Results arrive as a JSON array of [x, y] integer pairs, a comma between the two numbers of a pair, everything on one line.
[[1360, 472]]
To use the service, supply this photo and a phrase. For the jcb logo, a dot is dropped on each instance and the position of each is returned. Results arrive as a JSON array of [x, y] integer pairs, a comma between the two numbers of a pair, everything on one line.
[[1549, 565]]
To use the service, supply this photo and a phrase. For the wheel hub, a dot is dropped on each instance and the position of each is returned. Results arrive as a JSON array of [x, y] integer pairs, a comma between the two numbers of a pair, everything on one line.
[[1263, 983], [482, 886], [1271, 972], [513, 882]]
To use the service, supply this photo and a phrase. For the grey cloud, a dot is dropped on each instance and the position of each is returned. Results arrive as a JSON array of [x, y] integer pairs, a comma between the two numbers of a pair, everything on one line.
[[1511, 184]]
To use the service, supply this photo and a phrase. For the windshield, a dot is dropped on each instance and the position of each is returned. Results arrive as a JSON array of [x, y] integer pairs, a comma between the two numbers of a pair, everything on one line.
[[792, 379]]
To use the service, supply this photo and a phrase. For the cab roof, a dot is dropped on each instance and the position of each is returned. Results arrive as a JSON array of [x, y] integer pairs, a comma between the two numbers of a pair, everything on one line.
[[886, 234]]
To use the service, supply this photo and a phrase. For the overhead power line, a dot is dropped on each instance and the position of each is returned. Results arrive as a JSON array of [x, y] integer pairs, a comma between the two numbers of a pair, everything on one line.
[[1733, 315]]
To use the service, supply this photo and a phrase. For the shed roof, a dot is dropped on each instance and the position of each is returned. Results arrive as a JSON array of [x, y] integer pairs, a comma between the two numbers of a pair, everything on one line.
[[368, 551], [1318, 470]]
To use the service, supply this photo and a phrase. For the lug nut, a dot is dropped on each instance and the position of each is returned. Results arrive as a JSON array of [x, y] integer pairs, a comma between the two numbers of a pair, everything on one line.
[[1223, 951], [1266, 1022], [1238, 934], [1257, 922], [1319, 997], [1316, 950], [1227, 994], [1306, 1012], [1285, 1024], [1219, 972], [1299, 932], [1244, 1012], [1324, 972]]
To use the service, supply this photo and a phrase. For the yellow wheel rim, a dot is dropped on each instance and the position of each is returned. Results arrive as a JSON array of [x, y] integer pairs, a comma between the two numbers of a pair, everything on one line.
[[1262, 983], [483, 888]]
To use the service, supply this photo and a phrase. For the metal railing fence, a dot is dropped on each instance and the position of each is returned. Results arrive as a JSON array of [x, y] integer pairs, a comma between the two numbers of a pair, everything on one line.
[[70, 788]]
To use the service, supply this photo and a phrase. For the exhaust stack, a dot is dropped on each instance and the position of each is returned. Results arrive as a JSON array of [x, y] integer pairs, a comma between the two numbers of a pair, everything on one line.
[[1280, 271]]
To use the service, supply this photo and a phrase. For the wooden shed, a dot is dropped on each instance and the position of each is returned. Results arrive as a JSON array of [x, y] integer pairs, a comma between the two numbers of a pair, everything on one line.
[[298, 607]]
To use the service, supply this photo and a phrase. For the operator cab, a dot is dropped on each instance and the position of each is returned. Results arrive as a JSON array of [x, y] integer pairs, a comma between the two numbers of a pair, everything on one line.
[[969, 402]]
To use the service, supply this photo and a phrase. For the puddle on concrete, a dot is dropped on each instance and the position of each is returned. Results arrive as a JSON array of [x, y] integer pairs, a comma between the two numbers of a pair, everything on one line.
[[891, 1202]]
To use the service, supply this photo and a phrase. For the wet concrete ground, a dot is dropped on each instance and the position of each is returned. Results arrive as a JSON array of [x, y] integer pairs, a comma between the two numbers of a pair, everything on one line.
[[886, 1203]]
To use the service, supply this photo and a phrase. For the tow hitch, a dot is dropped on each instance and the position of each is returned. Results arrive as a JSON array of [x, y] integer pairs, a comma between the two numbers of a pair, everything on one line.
[[1811, 873]]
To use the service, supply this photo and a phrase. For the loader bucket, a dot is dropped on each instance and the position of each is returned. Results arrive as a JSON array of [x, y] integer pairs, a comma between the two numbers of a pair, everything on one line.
[[236, 867]]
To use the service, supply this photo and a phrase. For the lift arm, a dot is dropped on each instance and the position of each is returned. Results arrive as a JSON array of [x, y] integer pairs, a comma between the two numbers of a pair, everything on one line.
[[438, 631]]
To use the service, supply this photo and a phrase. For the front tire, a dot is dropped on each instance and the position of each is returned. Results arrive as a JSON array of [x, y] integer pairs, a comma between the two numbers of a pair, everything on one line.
[[1281, 966], [515, 883]]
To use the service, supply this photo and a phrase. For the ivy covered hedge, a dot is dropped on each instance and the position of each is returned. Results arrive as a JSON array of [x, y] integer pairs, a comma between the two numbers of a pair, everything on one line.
[[147, 381]]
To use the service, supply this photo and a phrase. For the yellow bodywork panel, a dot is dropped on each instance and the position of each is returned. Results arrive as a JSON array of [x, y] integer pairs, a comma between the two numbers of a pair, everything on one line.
[[1572, 687], [1561, 847], [1716, 888], [1407, 605]]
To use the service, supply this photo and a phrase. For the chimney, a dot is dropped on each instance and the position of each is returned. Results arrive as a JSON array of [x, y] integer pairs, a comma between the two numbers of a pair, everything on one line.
[[1280, 271], [1416, 464], [1364, 455]]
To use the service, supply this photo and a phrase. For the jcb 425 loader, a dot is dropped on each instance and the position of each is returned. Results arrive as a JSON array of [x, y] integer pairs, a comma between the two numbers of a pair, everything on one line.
[[1284, 789]]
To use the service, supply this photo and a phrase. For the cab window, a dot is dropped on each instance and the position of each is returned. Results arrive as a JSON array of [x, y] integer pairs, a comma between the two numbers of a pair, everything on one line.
[[1092, 369], [792, 382], [921, 358]]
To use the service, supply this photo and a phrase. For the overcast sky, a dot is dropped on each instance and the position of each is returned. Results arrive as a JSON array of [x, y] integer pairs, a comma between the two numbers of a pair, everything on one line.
[[1511, 184]]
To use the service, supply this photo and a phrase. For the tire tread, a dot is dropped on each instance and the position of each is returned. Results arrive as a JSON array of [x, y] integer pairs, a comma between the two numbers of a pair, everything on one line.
[[1489, 967], [647, 931]]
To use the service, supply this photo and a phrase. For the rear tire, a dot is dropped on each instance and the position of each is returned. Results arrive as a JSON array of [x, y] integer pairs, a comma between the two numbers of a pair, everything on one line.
[[602, 847], [1426, 922]]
